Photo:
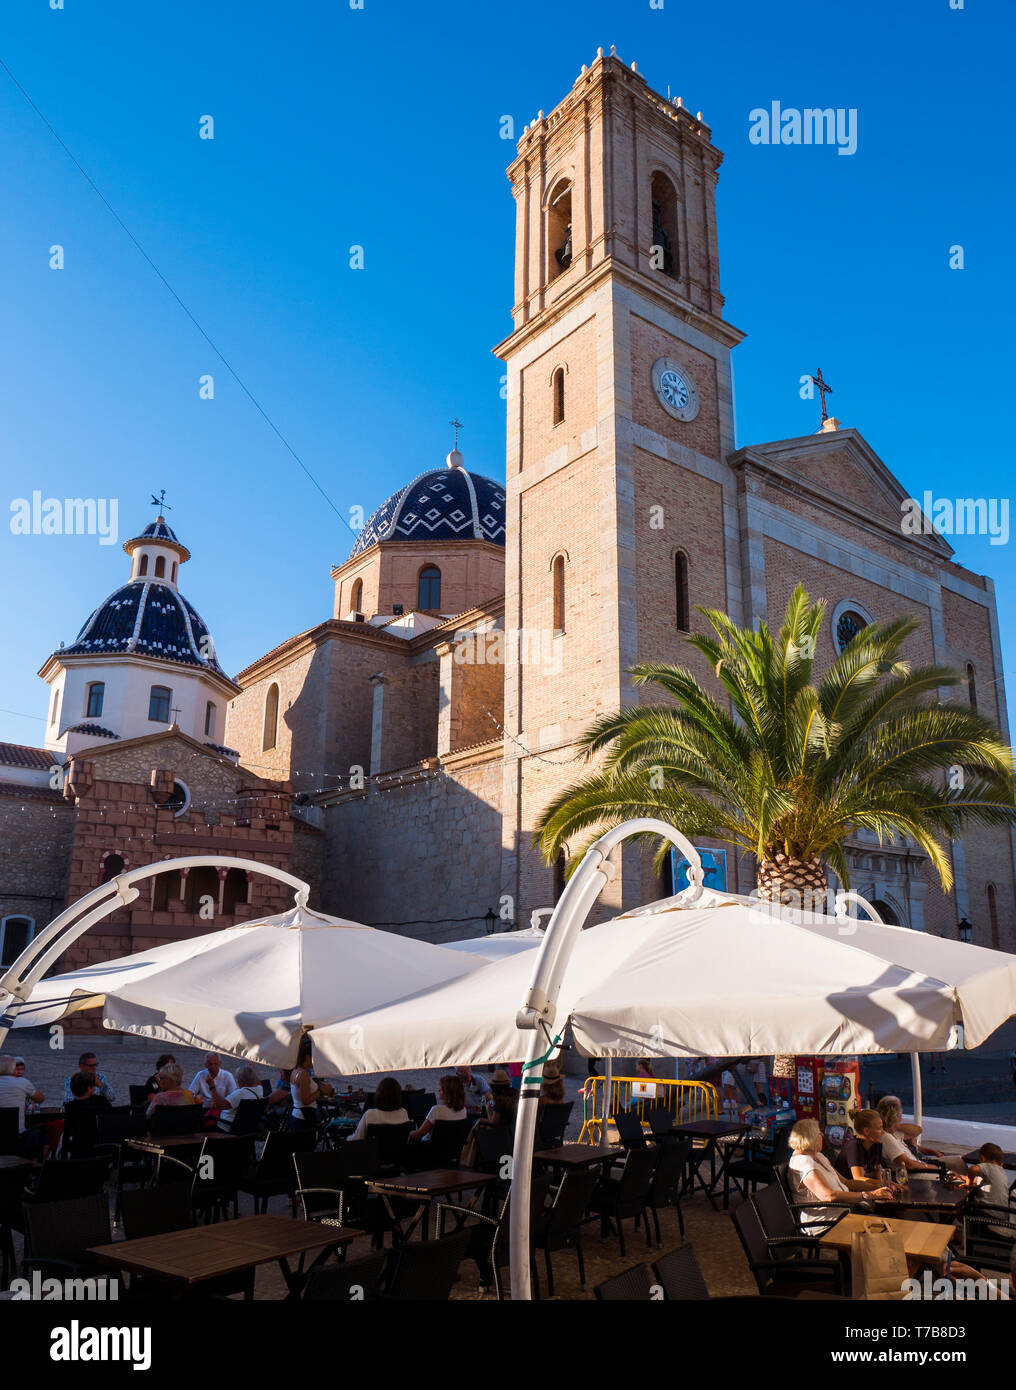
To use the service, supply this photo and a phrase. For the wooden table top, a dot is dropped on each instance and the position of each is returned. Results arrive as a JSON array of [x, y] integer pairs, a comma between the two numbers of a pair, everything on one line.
[[434, 1183], [227, 1247], [183, 1141], [927, 1192], [14, 1163], [580, 1155], [925, 1240]]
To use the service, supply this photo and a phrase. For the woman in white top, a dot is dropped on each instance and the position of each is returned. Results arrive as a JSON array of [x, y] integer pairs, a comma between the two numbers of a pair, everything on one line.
[[894, 1150], [306, 1092], [386, 1110], [814, 1179], [451, 1106], [248, 1087]]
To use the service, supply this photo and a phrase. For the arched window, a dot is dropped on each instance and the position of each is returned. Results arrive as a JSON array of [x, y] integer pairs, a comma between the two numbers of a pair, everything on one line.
[[358, 596], [112, 865], [174, 572], [559, 229], [681, 601], [557, 381], [160, 567], [166, 891], [15, 934], [210, 719], [56, 706], [203, 883], [96, 694], [271, 728], [559, 608], [159, 703], [971, 687], [235, 890], [663, 247], [428, 597], [143, 567], [887, 912], [992, 914]]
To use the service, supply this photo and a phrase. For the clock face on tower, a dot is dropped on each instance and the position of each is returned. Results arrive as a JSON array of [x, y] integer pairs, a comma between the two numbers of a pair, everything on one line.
[[675, 389]]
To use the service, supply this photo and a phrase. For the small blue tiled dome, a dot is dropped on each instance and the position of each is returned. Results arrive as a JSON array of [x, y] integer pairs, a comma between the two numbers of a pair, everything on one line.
[[440, 505], [148, 619]]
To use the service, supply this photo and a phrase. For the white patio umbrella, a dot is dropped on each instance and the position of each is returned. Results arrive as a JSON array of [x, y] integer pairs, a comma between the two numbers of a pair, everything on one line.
[[250, 991], [498, 946]]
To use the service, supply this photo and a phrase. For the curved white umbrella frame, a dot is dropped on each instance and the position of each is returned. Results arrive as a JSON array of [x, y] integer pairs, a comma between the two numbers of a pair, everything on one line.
[[17, 983]]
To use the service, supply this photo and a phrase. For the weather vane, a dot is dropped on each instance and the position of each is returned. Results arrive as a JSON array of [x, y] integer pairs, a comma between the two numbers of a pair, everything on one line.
[[456, 425], [161, 502]]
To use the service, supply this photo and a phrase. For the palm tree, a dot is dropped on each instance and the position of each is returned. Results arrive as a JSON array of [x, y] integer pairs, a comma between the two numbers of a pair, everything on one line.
[[793, 768]]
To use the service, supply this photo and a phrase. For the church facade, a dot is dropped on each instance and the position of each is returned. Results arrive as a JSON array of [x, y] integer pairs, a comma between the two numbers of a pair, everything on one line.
[[399, 753], [476, 631]]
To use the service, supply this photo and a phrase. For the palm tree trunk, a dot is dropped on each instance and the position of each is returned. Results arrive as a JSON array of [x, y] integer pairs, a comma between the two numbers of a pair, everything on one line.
[[796, 883]]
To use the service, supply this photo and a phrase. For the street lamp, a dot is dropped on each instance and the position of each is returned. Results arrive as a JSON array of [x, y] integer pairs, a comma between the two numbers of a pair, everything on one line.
[[490, 921]]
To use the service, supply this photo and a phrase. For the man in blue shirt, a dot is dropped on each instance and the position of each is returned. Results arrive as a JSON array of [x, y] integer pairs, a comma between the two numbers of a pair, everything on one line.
[[88, 1065]]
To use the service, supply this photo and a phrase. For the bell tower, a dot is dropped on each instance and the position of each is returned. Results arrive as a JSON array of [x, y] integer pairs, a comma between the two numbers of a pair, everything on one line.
[[622, 513]]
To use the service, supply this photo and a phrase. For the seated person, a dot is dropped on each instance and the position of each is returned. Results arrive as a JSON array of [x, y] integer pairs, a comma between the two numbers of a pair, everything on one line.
[[894, 1146], [152, 1084], [991, 1185], [476, 1087], [552, 1092], [88, 1064], [814, 1179], [15, 1092], [861, 1157], [386, 1110], [212, 1084], [280, 1099], [451, 1106], [85, 1095], [248, 1087], [171, 1091]]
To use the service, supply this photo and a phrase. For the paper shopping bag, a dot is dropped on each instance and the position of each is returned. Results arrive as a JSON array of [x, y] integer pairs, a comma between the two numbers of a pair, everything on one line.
[[878, 1261]]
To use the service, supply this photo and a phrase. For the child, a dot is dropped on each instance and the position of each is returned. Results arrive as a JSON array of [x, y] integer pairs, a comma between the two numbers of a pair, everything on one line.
[[993, 1187]]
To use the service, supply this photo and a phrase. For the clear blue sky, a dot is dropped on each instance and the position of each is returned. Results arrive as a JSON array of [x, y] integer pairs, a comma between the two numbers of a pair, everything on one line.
[[381, 127]]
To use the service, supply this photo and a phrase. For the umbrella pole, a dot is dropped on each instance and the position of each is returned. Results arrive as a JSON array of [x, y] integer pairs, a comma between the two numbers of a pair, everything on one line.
[[915, 1067], [608, 1086], [538, 1012]]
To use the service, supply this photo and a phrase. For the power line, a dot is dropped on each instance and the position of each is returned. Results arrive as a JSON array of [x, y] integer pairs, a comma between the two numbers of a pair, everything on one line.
[[218, 352]]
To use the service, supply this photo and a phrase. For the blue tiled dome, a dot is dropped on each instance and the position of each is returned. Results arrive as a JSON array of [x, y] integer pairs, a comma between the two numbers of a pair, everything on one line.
[[443, 504], [148, 619]]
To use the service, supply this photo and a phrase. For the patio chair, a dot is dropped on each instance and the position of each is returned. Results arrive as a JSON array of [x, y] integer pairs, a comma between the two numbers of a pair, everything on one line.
[[9, 1115], [113, 1129], [551, 1124], [425, 1270], [629, 1129], [80, 1133], [494, 1143], [661, 1122], [626, 1196], [60, 1179], [350, 1282], [558, 1227], [667, 1183], [778, 1266], [989, 1234], [58, 1236], [444, 1147], [633, 1285], [783, 1215], [757, 1163], [417, 1104], [220, 1168], [169, 1120], [248, 1117], [331, 1187], [274, 1174], [139, 1098], [489, 1235], [391, 1141], [680, 1277]]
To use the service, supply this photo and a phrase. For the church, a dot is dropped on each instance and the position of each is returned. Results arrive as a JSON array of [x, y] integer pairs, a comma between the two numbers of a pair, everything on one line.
[[398, 754]]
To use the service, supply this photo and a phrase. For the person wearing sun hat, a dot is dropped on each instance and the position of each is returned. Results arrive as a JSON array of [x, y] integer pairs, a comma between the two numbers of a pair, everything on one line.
[[552, 1091]]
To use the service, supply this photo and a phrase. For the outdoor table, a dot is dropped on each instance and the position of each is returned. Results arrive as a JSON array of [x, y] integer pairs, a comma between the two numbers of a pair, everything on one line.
[[426, 1188], [580, 1155], [926, 1194], [185, 1258], [14, 1163], [713, 1132], [186, 1141], [924, 1242]]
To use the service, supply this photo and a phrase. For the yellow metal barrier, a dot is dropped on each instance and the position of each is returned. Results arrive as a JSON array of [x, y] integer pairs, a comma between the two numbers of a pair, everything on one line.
[[686, 1100]]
